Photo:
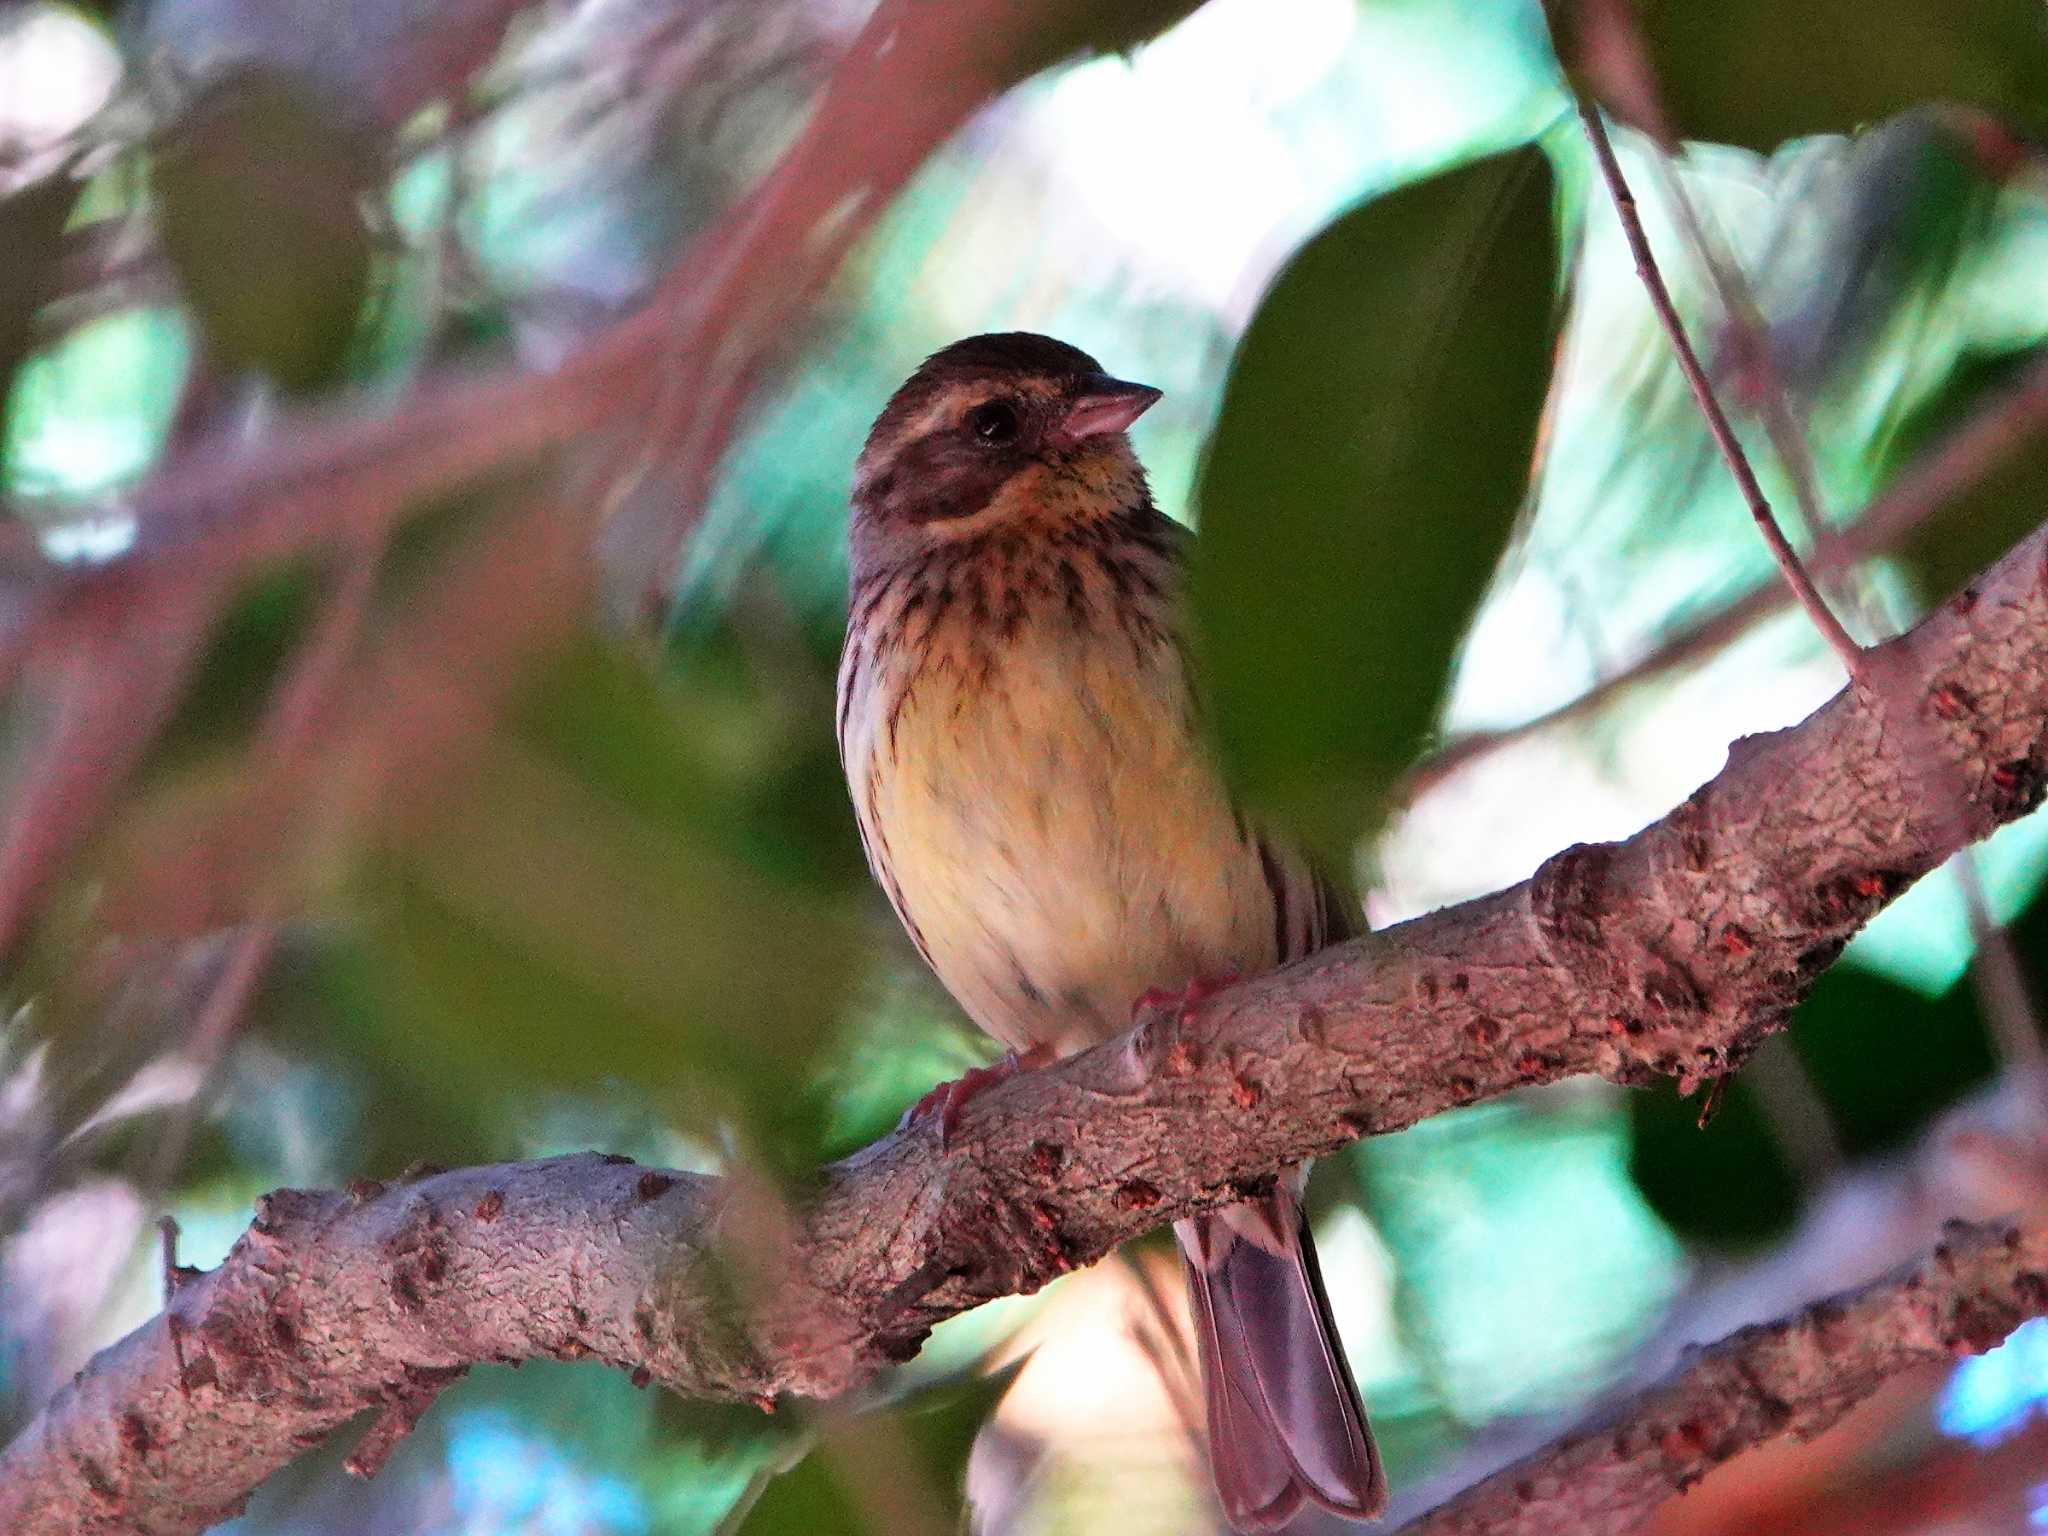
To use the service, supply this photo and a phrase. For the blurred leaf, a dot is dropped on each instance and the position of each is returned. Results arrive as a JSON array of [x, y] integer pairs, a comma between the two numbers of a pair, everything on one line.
[[245, 658], [1372, 453], [1887, 1059], [737, 747], [933, 1436], [1884, 1061], [382, 59], [1881, 225], [1061, 29], [261, 192], [1727, 1185], [32, 222], [623, 894], [1994, 512], [1757, 72], [794, 1499], [334, 999], [906, 1035], [1502, 1219]]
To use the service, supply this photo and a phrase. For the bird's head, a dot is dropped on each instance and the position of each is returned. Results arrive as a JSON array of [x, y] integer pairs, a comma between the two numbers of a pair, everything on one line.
[[1012, 428]]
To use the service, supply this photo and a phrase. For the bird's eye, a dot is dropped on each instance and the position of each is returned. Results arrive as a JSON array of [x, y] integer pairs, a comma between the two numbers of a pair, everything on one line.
[[994, 422]]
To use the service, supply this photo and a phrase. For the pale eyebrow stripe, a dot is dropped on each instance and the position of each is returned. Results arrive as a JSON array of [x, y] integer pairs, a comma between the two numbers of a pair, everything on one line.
[[947, 404], [954, 399]]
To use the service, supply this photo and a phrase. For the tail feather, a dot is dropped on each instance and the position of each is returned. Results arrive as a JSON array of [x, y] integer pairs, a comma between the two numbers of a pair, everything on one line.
[[1285, 1422]]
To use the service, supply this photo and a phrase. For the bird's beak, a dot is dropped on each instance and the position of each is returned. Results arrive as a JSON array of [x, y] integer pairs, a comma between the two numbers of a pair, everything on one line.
[[1100, 404]]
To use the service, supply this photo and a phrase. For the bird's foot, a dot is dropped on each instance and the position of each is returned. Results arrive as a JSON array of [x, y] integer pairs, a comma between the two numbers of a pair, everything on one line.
[[947, 1100], [1184, 1002], [1157, 1045]]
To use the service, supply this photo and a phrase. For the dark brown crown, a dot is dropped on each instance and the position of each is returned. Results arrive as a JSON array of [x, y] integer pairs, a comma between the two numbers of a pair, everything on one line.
[[1021, 354]]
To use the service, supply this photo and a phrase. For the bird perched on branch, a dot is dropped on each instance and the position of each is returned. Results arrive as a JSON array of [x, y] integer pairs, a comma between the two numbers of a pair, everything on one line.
[[1019, 732]]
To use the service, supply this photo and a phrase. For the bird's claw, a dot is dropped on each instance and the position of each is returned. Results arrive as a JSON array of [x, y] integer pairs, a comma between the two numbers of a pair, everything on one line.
[[1187, 999], [945, 1101], [1158, 1045]]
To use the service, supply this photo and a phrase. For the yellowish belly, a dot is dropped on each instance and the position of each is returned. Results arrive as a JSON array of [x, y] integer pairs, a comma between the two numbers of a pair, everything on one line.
[[1061, 842]]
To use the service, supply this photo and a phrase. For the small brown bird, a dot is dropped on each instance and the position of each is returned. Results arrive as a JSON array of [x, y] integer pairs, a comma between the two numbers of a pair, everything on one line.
[[1019, 731]]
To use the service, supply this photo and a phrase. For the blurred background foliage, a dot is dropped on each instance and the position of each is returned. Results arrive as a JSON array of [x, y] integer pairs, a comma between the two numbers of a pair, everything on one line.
[[378, 856]]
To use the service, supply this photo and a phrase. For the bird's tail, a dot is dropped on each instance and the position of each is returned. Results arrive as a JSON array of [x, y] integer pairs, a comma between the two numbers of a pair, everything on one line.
[[1285, 1421]]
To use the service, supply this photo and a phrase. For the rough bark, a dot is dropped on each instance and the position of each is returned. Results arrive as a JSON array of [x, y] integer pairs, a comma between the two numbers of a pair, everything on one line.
[[1796, 1376], [1673, 952]]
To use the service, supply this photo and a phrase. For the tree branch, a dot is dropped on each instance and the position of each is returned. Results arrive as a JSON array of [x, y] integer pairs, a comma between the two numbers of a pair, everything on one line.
[[343, 476], [1675, 952], [1796, 1376]]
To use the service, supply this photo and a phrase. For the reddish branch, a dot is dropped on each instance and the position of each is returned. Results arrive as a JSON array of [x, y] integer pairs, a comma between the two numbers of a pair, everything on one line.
[[1675, 952], [1789, 566], [1796, 1376], [1987, 440], [678, 372]]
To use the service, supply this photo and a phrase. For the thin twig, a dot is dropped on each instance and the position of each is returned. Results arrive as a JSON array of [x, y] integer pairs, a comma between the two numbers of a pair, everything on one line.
[[290, 731], [1757, 359], [1626, 55], [1996, 975], [1789, 566], [1763, 384], [248, 959], [289, 734], [174, 1273], [1611, 35], [1992, 435], [105, 692]]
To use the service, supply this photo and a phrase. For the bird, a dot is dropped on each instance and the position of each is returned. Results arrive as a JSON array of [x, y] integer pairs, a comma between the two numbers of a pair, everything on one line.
[[1019, 726]]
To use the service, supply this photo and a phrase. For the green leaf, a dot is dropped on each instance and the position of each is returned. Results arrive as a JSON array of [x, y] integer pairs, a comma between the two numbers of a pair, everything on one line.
[[1893, 213], [1371, 456], [1062, 29], [32, 220], [1886, 1059], [262, 209], [1883, 1061], [334, 998], [622, 892], [1996, 510], [1758, 72], [252, 644], [1728, 1184]]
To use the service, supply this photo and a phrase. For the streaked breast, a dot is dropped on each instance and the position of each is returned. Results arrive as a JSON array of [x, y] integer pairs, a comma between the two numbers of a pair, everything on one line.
[[1037, 801]]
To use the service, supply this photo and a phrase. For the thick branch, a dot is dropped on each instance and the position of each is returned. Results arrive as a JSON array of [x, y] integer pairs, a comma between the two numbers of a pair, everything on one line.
[[1674, 952], [333, 1303], [1796, 1376]]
